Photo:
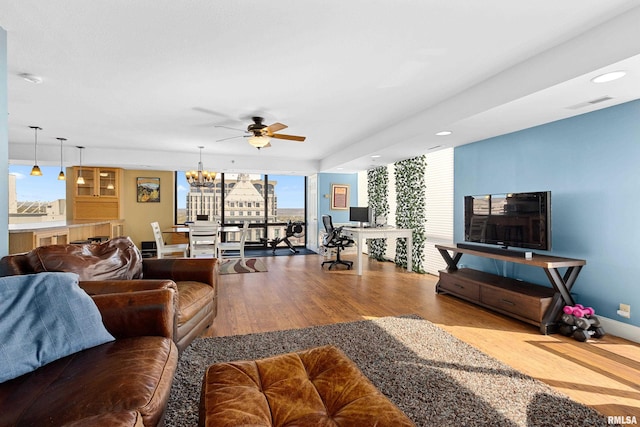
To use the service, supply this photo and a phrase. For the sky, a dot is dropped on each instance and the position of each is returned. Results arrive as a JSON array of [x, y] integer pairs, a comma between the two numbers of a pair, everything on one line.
[[45, 188]]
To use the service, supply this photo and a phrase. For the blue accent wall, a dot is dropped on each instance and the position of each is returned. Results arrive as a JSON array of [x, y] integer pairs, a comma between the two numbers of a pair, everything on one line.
[[324, 188], [4, 146], [591, 165]]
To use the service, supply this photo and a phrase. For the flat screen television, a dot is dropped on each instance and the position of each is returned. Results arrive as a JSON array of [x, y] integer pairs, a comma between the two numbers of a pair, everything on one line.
[[521, 220], [361, 215]]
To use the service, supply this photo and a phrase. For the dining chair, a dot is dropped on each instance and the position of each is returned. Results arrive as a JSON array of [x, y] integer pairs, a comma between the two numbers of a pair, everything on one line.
[[203, 238], [166, 249], [234, 246]]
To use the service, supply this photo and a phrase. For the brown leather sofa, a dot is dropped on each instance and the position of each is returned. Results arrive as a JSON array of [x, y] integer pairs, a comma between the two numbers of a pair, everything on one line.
[[110, 267], [125, 382]]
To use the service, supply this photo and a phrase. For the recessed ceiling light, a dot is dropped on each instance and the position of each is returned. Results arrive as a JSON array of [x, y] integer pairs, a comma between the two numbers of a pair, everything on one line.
[[608, 77], [31, 78], [444, 133], [375, 156]]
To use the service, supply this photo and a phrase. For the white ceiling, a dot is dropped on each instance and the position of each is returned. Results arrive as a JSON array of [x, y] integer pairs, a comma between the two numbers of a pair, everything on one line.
[[142, 83]]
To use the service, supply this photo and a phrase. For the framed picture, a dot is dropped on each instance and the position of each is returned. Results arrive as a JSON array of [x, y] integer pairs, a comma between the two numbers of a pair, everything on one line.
[[148, 190], [339, 196]]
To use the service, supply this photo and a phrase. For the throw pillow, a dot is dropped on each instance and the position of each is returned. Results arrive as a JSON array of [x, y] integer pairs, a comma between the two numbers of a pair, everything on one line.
[[44, 317]]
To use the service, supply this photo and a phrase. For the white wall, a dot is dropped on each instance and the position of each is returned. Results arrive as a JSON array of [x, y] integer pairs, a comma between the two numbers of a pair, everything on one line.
[[439, 207]]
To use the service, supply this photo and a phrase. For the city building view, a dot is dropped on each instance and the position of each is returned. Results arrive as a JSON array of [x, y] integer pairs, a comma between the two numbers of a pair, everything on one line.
[[246, 198], [50, 206]]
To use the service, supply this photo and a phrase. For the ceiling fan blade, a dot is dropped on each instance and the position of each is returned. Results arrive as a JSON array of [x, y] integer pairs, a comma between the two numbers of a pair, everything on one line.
[[229, 127], [213, 113], [231, 137], [275, 127], [289, 137]]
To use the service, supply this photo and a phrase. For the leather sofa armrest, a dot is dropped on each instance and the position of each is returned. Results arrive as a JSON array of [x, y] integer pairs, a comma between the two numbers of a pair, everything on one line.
[[203, 270], [99, 287], [11, 265], [141, 313]]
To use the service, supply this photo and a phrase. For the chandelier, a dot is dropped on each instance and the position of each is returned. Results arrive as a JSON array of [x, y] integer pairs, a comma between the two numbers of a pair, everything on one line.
[[200, 178]]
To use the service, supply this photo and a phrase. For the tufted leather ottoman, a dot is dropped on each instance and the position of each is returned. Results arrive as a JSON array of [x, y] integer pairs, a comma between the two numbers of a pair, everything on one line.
[[316, 387]]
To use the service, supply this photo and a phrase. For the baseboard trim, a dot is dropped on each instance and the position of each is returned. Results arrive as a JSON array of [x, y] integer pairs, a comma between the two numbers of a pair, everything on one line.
[[620, 329]]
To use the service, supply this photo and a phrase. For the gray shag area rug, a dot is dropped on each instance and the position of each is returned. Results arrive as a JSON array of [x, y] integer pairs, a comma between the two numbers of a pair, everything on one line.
[[436, 379]]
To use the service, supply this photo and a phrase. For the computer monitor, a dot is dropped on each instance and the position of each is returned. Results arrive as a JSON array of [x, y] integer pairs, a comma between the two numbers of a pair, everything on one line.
[[361, 214]]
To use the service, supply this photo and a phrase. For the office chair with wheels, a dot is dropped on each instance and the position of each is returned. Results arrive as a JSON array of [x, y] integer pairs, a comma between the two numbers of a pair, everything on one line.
[[334, 239]]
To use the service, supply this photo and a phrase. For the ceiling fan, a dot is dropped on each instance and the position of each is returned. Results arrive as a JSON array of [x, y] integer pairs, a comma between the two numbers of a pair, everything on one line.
[[260, 134]]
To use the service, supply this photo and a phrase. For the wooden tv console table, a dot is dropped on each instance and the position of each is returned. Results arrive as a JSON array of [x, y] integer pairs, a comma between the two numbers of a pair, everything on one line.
[[535, 304]]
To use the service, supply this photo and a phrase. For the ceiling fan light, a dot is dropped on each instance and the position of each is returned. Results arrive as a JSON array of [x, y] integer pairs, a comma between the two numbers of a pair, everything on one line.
[[35, 171], [259, 141]]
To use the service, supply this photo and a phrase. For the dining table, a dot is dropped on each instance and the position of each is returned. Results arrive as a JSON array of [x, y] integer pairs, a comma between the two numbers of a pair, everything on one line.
[[180, 233]]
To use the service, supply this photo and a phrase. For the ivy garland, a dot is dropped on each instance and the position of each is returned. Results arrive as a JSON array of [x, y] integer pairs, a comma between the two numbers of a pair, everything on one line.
[[410, 209], [378, 193]]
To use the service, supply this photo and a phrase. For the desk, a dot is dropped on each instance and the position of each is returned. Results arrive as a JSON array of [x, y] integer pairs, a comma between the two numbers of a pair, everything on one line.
[[360, 234]]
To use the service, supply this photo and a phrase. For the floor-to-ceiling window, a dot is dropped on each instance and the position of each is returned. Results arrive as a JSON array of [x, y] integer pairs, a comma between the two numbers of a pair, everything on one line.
[[36, 198], [288, 204], [267, 202]]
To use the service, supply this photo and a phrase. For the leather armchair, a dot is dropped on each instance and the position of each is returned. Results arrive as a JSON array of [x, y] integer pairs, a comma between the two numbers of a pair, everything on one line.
[[125, 382]]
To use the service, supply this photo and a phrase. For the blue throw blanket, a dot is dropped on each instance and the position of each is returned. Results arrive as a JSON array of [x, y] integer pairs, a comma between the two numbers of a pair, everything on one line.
[[44, 317]]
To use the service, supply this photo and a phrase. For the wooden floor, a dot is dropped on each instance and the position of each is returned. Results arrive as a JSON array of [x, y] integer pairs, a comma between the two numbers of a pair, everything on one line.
[[296, 293]]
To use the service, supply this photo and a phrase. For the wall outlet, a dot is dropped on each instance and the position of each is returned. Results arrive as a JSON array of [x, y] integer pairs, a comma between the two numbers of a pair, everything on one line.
[[625, 311]]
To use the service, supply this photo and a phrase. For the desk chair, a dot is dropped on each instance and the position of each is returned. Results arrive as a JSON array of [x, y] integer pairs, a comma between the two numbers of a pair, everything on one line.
[[234, 246], [203, 238], [334, 239], [163, 249]]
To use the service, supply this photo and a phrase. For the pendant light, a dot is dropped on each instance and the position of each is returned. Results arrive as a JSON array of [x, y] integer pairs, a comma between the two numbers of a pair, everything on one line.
[[35, 171], [61, 176], [80, 180]]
